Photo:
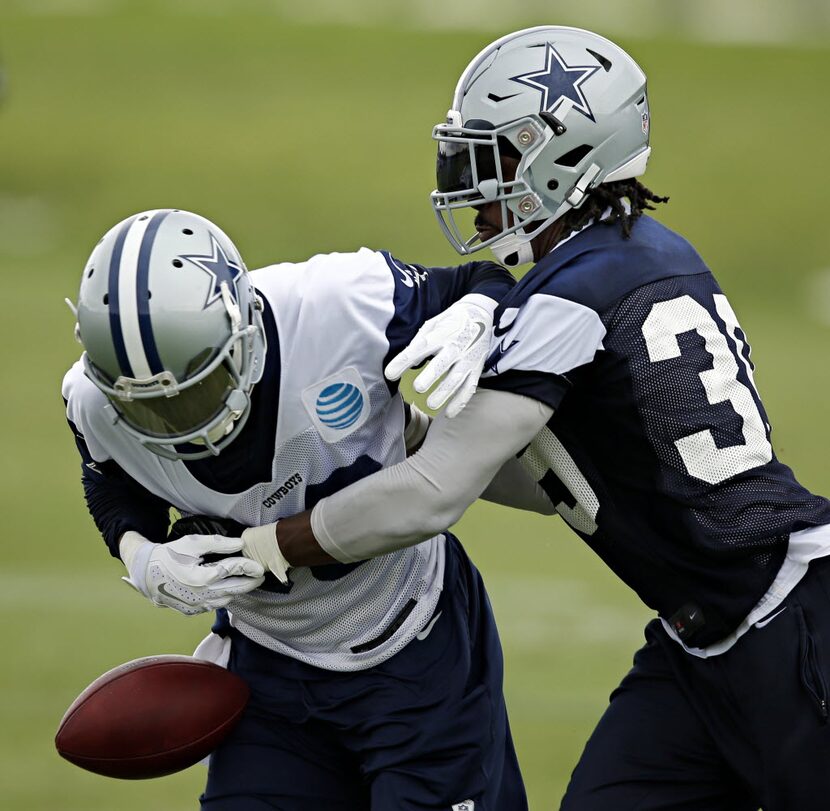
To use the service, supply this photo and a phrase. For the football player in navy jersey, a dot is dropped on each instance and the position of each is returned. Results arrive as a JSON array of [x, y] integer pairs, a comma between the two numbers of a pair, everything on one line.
[[620, 379], [238, 398]]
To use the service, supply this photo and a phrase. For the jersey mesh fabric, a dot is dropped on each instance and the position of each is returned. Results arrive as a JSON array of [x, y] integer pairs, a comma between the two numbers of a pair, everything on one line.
[[321, 621], [677, 539], [754, 502], [661, 436], [376, 606]]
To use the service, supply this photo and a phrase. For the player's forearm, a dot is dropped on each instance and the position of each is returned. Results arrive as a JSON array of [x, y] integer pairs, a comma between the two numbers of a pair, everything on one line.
[[117, 505], [512, 486], [400, 507], [116, 502], [414, 500], [298, 544]]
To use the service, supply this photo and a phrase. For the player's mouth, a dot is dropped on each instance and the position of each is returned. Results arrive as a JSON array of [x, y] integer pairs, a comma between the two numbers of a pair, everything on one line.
[[485, 229]]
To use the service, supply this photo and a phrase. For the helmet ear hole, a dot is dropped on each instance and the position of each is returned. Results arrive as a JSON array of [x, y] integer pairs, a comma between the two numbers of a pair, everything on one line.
[[573, 156], [507, 150]]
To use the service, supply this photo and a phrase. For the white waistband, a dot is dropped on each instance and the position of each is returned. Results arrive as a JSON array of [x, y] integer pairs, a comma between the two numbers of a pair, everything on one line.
[[806, 545]]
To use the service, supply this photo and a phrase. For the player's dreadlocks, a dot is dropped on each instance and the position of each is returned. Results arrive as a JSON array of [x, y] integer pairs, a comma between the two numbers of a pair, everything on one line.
[[611, 195]]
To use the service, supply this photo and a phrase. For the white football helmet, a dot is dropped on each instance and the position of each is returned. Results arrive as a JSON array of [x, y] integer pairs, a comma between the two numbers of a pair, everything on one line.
[[172, 330], [568, 103]]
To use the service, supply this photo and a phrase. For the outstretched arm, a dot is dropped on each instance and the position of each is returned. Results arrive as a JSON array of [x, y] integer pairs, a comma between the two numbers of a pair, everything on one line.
[[422, 496]]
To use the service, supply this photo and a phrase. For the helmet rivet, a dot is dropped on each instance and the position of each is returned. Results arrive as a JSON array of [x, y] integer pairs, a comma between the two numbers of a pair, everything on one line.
[[527, 204], [525, 137], [553, 184]]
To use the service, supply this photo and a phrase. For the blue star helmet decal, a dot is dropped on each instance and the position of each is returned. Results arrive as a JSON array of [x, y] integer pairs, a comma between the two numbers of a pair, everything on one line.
[[559, 81], [220, 268]]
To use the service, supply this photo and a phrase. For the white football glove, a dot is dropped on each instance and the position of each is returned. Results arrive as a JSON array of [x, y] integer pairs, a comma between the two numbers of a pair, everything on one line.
[[459, 340], [173, 575]]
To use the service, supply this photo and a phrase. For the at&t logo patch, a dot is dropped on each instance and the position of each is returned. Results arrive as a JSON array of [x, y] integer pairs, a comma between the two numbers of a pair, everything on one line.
[[338, 405]]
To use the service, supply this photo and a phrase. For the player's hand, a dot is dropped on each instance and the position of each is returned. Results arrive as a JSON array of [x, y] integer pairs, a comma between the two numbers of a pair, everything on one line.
[[174, 575], [459, 340]]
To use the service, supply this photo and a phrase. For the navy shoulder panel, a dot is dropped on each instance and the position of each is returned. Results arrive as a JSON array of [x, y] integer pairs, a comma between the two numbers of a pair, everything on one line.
[[598, 266]]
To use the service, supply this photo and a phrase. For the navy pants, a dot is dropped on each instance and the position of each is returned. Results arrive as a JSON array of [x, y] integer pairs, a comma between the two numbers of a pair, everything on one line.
[[735, 732], [427, 729]]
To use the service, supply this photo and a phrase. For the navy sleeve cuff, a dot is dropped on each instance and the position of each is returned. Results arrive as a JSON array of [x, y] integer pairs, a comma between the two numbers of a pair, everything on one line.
[[547, 388], [490, 279]]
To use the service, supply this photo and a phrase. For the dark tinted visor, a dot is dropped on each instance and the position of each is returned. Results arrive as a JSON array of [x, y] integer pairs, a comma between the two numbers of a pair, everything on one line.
[[455, 172], [190, 409]]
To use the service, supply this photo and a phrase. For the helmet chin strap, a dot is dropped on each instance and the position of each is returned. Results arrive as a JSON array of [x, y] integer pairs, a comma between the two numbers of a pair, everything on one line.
[[513, 250]]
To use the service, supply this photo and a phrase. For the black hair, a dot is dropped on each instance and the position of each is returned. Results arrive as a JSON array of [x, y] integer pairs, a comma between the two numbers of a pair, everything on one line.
[[611, 195]]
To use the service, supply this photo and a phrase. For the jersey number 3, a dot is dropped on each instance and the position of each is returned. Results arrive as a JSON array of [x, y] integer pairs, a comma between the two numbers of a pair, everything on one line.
[[701, 456]]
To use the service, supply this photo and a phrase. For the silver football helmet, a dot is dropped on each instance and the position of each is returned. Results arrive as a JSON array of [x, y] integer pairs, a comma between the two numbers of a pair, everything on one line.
[[172, 330], [570, 105]]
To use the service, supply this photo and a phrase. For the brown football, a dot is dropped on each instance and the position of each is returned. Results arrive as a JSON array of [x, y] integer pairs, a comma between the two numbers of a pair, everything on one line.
[[151, 717]]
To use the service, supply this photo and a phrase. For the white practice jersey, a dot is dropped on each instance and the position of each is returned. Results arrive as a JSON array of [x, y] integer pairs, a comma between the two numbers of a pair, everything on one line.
[[336, 319]]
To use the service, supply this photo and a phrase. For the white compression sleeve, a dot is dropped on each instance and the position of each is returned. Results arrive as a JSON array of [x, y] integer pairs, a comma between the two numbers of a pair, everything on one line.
[[513, 486], [424, 495]]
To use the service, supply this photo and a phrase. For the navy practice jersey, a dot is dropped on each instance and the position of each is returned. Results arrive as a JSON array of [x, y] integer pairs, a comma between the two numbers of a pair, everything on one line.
[[658, 452], [322, 416]]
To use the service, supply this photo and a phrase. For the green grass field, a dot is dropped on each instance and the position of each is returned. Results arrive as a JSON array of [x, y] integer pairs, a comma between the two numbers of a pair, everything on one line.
[[301, 140]]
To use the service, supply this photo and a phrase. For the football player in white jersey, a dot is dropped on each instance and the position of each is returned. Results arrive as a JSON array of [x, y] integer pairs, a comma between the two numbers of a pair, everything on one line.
[[239, 398], [621, 378]]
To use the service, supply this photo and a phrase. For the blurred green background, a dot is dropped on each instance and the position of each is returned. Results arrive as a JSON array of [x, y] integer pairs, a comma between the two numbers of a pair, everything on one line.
[[302, 137]]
